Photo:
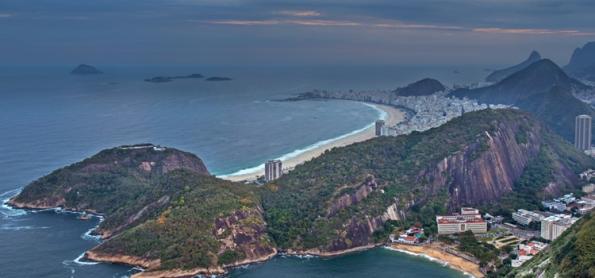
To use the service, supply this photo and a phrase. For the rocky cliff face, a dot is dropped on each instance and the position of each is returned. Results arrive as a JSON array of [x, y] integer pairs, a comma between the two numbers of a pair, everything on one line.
[[485, 170]]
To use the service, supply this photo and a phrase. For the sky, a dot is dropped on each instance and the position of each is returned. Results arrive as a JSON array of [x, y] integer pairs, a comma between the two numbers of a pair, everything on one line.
[[292, 32]]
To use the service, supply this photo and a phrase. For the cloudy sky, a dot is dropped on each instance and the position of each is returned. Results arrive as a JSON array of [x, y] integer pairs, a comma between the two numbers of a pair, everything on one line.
[[286, 32]]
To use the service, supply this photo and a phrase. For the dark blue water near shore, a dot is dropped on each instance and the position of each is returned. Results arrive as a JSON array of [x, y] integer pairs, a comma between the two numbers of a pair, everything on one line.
[[49, 119]]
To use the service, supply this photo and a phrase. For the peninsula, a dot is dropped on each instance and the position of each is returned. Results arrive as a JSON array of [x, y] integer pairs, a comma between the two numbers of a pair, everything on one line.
[[164, 211]]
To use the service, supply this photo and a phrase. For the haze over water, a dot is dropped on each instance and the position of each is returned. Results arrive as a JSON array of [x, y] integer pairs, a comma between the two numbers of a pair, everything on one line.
[[49, 119]]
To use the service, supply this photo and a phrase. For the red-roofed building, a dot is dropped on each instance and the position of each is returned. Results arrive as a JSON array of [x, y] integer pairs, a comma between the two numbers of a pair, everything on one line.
[[468, 220]]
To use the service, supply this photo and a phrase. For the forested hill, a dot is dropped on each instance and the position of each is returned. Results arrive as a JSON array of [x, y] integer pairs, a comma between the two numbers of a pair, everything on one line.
[[346, 197], [162, 210]]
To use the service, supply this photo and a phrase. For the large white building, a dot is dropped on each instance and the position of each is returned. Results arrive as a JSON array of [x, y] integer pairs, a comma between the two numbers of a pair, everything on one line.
[[582, 132], [468, 220], [553, 226], [273, 169], [525, 217]]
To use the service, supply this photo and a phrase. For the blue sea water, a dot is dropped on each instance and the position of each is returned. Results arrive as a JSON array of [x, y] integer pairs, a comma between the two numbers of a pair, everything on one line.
[[49, 119]]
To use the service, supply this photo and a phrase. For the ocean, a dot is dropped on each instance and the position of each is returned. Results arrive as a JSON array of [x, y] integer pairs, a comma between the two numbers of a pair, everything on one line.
[[50, 119]]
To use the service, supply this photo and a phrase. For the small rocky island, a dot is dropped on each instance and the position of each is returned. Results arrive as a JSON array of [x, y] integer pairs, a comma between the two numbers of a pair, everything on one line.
[[218, 78], [84, 69], [164, 79]]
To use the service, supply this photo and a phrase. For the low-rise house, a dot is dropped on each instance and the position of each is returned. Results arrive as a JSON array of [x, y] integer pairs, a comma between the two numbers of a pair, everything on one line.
[[527, 251], [412, 235]]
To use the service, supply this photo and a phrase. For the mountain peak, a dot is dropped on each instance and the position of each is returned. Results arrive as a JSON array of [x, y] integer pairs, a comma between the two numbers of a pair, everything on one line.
[[582, 62], [534, 55], [499, 75]]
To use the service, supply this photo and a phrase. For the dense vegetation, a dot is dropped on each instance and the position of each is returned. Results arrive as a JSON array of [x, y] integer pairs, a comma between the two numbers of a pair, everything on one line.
[[182, 235], [112, 183], [484, 252], [570, 255]]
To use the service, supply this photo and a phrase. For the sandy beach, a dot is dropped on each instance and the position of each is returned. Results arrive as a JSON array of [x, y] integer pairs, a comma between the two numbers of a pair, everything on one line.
[[392, 117], [436, 252]]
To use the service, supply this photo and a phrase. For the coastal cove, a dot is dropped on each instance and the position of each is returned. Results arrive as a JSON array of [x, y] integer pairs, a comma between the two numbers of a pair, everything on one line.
[[367, 260]]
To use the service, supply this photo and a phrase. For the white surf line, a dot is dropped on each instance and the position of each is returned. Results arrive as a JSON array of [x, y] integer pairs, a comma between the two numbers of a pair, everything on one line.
[[430, 258], [7, 210], [382, 115], [82, 256]]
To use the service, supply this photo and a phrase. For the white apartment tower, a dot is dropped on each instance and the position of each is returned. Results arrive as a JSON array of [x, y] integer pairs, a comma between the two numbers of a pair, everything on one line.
[[582, 132], [273, 169], [379, 126]]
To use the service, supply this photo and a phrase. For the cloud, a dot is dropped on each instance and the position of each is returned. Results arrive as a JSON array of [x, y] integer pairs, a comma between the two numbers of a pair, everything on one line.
[[304, 13], [285, 22], [5, 15], [324, 23], [245, 22], [418, 26], [530, 31]]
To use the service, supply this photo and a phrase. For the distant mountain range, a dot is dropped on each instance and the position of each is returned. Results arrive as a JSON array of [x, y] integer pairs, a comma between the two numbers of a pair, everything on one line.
[[543, 89], [498, 75], [582, 62]]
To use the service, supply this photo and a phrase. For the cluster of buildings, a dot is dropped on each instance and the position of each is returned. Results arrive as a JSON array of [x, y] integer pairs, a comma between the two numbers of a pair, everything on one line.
[[273, 169], [525, 217], [526, 251], [413, 235], [569, 203], [468, 220], [553, 226], [430, 111]]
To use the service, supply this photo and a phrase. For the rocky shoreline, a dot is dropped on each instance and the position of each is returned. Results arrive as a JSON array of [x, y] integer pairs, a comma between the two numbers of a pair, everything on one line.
[[150, 267]]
